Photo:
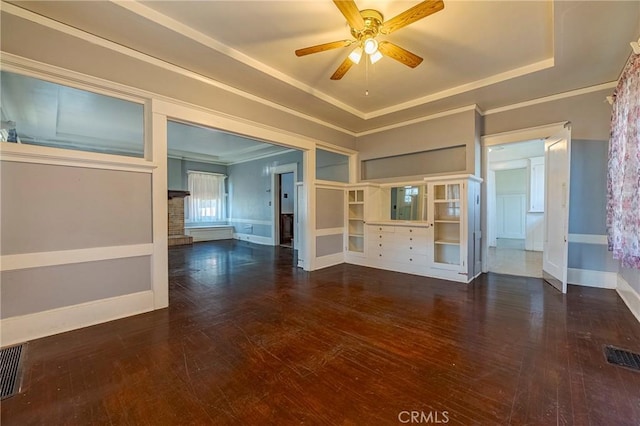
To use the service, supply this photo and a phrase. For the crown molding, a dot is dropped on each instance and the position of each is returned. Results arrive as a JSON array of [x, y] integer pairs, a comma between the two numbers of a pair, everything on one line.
[[421, 119], [552, 98]]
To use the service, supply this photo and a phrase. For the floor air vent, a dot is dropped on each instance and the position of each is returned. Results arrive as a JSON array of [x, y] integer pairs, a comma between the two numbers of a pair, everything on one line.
[[622, 358], [11, 370]]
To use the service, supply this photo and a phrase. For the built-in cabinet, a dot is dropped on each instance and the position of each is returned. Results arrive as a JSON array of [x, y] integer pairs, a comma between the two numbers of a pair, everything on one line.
[[448, 232], [355, 220], [361, 202], [443, 243]]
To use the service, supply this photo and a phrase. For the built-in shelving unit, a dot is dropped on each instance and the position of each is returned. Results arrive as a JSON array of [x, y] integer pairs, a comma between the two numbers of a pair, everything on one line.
[[446, 223], [355, 202], [440, 238]]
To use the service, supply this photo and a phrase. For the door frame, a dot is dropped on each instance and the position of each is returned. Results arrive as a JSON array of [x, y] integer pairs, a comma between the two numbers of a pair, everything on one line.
[[275, 200], [514, 136]]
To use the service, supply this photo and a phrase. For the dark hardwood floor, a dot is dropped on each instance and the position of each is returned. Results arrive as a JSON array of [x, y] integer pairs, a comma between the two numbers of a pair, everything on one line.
[[250, 340]]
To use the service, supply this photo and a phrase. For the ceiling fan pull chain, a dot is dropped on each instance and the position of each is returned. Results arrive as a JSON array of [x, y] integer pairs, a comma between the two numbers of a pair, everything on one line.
[[366, 73]]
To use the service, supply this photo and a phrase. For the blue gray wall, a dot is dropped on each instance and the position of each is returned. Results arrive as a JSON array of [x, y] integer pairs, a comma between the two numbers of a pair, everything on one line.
[[587, 205], [250, 192], [177, 171]]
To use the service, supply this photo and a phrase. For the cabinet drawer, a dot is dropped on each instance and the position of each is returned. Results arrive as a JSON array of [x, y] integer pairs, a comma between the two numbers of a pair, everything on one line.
[[420, 249], [388, 245], [413, 259], [383, 229], [408, 230], [380, 236]]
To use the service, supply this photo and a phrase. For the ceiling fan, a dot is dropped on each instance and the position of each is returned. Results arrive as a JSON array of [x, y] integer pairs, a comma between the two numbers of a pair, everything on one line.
[[366, 25]]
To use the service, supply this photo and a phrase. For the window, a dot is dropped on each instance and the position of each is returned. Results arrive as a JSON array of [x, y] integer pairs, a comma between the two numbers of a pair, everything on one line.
[[39, 112], [206, 202], [332, 166]]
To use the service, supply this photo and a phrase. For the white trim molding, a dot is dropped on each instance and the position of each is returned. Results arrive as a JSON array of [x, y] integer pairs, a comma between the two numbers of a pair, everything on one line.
[[558, 96], [24, 153], [630, 297], [329, 231], [13, 262], [328, 260], [257, 239], [530, 133], [233, 221], [46, 323], [590, 278], [588, 239]]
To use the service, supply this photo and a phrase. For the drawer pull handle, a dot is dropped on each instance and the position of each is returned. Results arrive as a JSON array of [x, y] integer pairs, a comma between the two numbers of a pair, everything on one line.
[[380, 245], [410, 248], [380, 255], [410, 260], [410, 238], [410, 230]]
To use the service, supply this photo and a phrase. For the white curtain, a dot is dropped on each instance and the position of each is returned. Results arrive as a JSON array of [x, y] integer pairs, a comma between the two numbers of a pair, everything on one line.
[[206, 202]]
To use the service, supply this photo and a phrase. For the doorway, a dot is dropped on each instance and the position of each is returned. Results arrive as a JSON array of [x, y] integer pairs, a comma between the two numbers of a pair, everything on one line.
[[526, 212], [515, 217], [286, 188], [284, 193]]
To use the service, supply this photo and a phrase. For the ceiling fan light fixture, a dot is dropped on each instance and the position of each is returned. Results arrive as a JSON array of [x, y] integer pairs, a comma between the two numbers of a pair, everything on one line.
[[370, 46], [375, 57], [356, 55]]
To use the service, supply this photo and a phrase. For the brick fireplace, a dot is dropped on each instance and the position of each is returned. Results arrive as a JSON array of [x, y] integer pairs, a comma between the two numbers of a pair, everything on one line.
[[176, 219]]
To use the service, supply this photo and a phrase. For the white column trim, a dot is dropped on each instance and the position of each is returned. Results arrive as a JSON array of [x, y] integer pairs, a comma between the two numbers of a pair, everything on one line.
[[156, 144]]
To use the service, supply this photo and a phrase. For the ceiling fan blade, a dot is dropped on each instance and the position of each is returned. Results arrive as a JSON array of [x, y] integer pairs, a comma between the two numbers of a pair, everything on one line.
[[342, 69], [323, 47], [409, 16], [399, 54], [350, 11]]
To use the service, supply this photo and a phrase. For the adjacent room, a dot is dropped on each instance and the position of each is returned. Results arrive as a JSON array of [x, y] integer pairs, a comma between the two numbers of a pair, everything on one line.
[[321, 212]]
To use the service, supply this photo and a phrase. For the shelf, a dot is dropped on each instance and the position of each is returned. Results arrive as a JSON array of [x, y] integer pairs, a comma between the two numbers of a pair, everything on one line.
[[356, 218], [447, 221], [457, 200], [355, 202], [448, 242], [351, 234]]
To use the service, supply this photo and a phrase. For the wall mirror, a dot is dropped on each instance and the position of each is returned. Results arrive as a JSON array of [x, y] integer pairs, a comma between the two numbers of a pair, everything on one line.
[[408, 202]]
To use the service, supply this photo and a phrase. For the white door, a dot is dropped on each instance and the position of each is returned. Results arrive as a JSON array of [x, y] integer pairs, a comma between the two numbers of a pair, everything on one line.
[[557, 151], [510, 212]]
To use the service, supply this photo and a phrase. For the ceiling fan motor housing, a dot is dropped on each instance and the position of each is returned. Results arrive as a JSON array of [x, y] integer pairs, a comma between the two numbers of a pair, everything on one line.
[[372, 24]]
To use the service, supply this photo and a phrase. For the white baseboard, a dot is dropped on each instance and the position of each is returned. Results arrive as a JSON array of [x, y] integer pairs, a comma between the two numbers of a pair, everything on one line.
[[630, 297], [589, 278], [265, 241], [329, 260], [32, 326]]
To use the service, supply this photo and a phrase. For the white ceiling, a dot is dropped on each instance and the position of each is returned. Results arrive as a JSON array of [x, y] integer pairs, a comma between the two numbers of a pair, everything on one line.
[[190, 142], [489, 53]]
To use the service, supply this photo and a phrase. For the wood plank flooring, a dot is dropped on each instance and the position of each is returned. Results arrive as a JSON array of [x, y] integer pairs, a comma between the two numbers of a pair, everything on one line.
[[250, 340]]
